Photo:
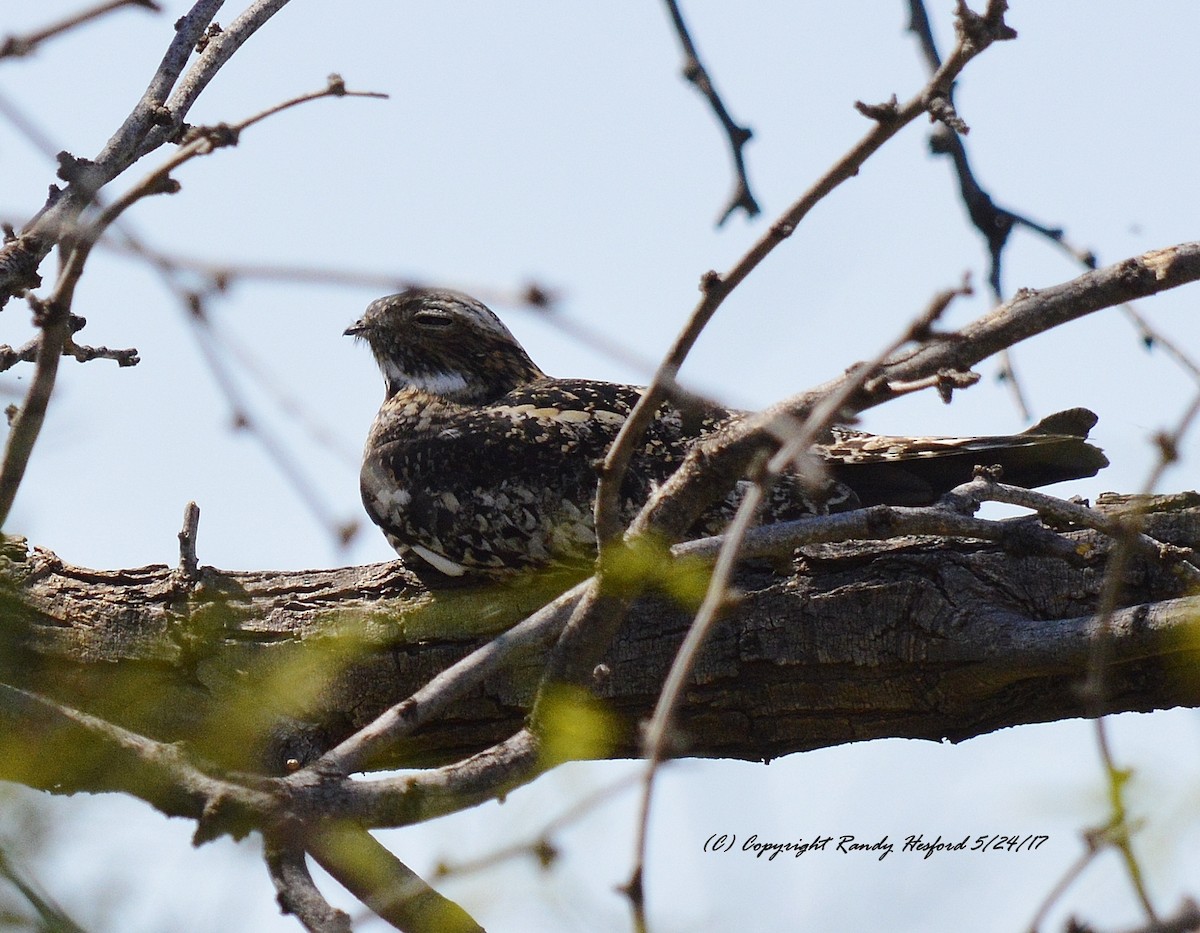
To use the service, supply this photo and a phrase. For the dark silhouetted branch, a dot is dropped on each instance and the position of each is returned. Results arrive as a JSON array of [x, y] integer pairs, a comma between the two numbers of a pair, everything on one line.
[[738, 135]]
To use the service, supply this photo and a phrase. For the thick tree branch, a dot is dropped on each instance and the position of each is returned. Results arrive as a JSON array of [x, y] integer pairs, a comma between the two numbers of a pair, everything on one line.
[[918, 637]]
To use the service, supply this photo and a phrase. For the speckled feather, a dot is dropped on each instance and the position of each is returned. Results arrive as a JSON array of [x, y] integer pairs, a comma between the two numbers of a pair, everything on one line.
[[480, 463]]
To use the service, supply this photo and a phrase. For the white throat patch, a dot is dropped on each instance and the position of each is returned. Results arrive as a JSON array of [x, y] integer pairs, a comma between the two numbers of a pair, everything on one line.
[[434, 383]]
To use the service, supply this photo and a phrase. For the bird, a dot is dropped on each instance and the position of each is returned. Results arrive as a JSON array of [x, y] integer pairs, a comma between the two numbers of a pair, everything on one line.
[[480, 465]]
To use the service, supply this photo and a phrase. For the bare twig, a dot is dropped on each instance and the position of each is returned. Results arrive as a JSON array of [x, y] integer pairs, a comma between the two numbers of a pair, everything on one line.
[[218, 49], [995, 223], [288, 404], [342, 532], [738, 135], [21, 255], [1064, 883], [975, 35], [163, 775], [405, 717], [1116, 527], [157, 117], [681, 499], [1152, 337], [55, 314], [385, 884], [85, 354], [296, 892], [50, 916], [797, 447], [541, 846], [28, 351], [1007, 374], [1118, 832], [189, 564], [409, 799], [28, 421], [15, 46]]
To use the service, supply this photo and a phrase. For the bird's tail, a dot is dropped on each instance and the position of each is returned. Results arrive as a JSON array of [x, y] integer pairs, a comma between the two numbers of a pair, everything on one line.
[[918, 470]]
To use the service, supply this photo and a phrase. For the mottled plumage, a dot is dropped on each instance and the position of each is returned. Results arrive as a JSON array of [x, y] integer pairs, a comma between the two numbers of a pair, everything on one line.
[[478, 462]]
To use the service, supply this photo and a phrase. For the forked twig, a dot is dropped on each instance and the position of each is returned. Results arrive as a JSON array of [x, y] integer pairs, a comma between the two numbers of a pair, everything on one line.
[[738, 135], [54, 315], [975, 35]]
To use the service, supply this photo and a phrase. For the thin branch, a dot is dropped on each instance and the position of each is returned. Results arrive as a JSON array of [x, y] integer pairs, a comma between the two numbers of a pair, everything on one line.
[[407, 799], [1117, 527], [289, 405], [995, 223], [314, 500], [51, 917], [296, 892], [85, 354], [56, 312], [822, 416], [1064, 883], [16, 46], [881, 523], [1007, 374], [385, 884], [218, 49], [1095, 687], [27, 423], [1153, 337], [222, 276], [156, 118], [21, 255], [975, 35], [541, 846], [738, 135], [27, 353], [157, 772], [711, 470], [335, 86], [405, 717]]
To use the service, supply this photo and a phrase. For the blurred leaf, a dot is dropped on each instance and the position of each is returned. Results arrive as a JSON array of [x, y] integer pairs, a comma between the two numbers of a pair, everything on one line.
[[575, 726], [646, 563]]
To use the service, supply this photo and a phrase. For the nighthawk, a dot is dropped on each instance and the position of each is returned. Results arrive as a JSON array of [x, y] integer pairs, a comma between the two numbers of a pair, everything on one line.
[[479, 463]]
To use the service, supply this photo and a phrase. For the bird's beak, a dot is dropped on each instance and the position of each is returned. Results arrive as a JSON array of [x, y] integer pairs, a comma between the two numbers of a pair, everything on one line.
[[357, 329]]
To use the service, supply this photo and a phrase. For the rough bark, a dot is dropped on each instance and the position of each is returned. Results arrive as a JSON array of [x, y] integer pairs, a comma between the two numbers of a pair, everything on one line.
[[922, 638]]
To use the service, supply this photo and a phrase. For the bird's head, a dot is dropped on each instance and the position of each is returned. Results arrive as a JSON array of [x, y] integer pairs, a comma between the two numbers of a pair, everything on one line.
[[445, 343]]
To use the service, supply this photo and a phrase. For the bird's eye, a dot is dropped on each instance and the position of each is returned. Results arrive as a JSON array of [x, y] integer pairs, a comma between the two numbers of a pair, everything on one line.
[[434, 320]]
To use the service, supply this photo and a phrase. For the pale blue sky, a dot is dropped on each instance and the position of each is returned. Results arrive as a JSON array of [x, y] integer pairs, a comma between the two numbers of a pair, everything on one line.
[[530, 141]]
